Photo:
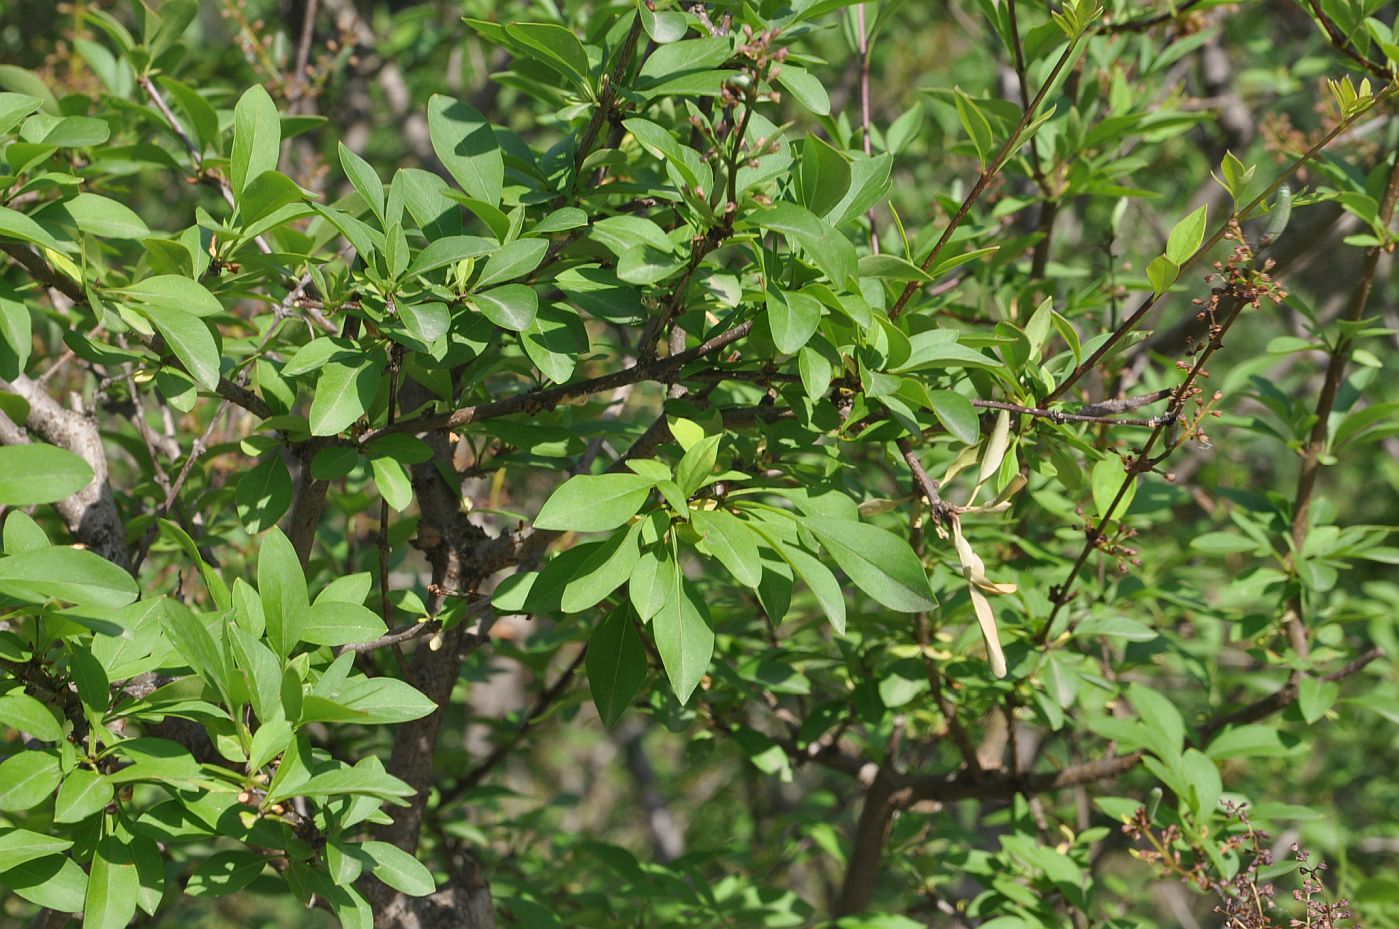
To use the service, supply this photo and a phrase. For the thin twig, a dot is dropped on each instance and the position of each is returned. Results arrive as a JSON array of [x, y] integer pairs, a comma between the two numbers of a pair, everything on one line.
[[303, 49], [537, 401], [1148, 304], [1325, 403], [984, 179], [546, 699]]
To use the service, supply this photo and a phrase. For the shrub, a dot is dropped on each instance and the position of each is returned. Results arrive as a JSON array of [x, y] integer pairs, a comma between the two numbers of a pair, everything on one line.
[[901, 483]]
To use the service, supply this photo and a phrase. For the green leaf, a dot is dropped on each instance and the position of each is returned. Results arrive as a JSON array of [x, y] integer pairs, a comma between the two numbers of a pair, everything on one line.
[[662, 27], [1250, 741], [190, 339], [332, 623], [512, 307], [13, 108], [399, 870], [84, 793], [879, 562], [175, 293], [264, 493], [54, 882], [384, 700], [825, 176], [607, 567], [1315, 697], [1161, 719], [344, 393], [1223, 543], [593, 503], [263, 196], [1162, 273], [361, 780], [105, 217], [150, 872], [23, 713], [976, 124], [193, 642], [73, 574], [449, 250], [823, 584], [282, 589], [793, 319], [257, 137], [202, 117], [27, 780], [892, 268], [364, 179], [1107, 479], [16, 345], [791, 220], [1203, 779], [1115, 627], [1186, 237], [393, 482], [16, 225], [224, 873], [646, 588], [555, 340], [467, 146], [805, 89], [557, 47], [646, 264], [732, 542], [512, 260], [36, 473], [697, 464], [68, 131], [957, 415], [18, 846], [616, 665], [684, 635]]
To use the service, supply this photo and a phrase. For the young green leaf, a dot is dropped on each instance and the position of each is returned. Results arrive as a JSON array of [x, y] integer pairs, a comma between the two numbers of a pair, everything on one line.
[[594, 502], [1187, 236], [257, 137], [684, 635]]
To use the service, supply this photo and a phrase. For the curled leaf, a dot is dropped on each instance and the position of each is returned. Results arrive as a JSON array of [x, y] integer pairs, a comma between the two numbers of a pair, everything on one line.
[[978, 585]]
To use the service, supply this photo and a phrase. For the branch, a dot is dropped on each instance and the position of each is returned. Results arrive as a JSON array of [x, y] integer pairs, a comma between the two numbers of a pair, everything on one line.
[[1342, 44], [1325, 403], [1148, 304], [1146, 22], [538, 401], [607, 96], [1060, 416], [546, 699], [987, 173], [1281, 699]]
